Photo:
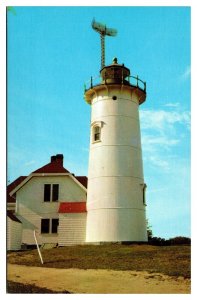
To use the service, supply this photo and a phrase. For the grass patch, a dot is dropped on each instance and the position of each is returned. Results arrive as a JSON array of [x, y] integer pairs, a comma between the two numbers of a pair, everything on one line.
[[20, 288], [169, 260]]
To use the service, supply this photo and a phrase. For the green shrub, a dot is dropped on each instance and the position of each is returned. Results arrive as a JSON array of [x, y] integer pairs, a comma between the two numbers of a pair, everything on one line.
[[179, 240]]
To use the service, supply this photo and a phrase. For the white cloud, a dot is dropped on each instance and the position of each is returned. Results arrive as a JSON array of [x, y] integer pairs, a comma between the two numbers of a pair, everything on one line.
[[165, 137], [155, 190], [162, 131], [159, 162], [186, 74], [163, 141], [160, 119], [29, 163], [173, 105], [157, 144]]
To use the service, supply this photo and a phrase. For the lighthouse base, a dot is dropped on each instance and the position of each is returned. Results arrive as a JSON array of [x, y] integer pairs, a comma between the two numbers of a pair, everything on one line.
[[116, 243], [116, 225]]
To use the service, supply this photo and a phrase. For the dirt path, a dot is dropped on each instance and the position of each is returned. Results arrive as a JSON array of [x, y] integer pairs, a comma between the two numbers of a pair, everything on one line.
[[98, 281]]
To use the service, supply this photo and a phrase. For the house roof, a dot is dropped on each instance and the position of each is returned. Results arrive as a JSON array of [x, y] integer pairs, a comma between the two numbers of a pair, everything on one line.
[[13, 185], [13, 217], [72, 207], [54, 167], [83, 180]]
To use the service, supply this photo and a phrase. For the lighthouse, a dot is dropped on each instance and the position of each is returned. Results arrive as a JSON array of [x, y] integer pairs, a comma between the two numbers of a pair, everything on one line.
[[116, 202]]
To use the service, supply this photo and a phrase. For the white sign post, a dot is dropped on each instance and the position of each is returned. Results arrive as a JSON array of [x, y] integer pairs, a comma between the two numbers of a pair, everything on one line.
[[38, 248]]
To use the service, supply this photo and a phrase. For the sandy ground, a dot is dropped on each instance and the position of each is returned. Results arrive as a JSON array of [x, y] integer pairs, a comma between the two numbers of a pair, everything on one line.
[[98, 281]]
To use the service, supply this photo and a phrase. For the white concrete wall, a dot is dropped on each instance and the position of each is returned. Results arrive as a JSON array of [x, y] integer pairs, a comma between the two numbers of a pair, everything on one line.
[[31, 208], [14, 235], [72, 229], [115, 178], [116, 225]]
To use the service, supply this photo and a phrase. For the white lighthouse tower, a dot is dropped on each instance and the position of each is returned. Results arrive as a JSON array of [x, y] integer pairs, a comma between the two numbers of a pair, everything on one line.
[[116, 190]]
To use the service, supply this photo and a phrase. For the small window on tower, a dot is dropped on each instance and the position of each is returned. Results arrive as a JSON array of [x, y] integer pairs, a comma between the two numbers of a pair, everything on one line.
[[144, 194], [96, 133]]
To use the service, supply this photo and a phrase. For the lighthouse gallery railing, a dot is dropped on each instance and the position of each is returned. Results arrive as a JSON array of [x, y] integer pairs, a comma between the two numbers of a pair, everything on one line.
[[134, 81]]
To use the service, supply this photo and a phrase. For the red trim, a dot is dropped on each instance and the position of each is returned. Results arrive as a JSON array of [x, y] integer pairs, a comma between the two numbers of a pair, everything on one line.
[[72, 207]]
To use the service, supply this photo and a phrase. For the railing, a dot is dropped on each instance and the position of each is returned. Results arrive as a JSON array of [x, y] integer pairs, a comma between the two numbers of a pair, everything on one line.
[[134, 81], [92, 82], [139, 83]]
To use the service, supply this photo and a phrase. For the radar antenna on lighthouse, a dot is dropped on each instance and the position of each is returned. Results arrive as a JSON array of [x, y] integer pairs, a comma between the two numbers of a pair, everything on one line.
[[103, 30]]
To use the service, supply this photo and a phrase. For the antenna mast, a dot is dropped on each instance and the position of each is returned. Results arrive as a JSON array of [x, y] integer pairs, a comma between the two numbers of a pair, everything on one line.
[[103, 30]]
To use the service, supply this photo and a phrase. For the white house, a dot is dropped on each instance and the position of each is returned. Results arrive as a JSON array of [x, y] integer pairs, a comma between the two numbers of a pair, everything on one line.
[[52, 201], [14, 232]]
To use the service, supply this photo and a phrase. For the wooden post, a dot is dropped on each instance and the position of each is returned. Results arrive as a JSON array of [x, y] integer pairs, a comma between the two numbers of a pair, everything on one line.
[[38, 248]]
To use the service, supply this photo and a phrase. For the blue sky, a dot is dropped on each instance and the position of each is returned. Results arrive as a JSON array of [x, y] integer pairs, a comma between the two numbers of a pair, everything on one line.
[[52, 52]]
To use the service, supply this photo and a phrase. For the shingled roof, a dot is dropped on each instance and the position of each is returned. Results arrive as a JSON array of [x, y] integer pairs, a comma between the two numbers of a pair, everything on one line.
[[13, 217], [55, 165], [11, 186], [83, 180]]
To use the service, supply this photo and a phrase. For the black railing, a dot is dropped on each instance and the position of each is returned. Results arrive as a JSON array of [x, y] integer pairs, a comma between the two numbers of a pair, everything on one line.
[[92, 82], [134, 81], [139, 83]]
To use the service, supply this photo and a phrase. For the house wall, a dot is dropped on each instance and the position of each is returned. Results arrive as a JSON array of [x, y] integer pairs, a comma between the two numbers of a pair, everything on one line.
[[14, 235], [31, 208], [72, 229]]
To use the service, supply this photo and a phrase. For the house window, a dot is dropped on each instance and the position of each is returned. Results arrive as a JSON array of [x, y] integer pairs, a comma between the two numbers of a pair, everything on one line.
[[49, 225], [47, 192], [45, 225], [51, 192], [55, 223], [96, 133], [55, 193]]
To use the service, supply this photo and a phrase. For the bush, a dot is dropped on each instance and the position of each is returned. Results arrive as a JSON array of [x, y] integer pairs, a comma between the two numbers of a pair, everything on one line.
[[157, 241], [179, 240]]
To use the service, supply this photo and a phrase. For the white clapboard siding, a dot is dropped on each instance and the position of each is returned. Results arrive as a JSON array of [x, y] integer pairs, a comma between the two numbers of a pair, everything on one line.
[[31, 208], [32, 222], [72, 229], [14, 235], [11, 206]]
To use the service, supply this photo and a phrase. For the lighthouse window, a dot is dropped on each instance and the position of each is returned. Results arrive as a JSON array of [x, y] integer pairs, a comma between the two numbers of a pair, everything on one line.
[[144, 202], [144, 194], [96, 133]]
